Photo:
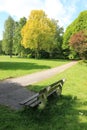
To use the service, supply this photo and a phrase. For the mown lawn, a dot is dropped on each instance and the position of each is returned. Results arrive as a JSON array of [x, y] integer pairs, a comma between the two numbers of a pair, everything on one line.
[[14, 67], [68, 112]]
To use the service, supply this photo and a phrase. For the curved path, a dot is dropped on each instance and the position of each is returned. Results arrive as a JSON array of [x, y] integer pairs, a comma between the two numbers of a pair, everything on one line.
[[12, 90]]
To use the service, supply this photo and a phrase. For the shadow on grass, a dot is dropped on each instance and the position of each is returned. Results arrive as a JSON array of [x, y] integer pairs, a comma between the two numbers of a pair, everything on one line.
[[83, 62], [21, 66], [59, 114], [59, 60]]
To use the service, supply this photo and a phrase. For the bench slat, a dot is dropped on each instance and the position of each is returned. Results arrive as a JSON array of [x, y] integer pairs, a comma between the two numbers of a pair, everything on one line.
[[51, 92], [31, 102], [36, 103], [29, 99]]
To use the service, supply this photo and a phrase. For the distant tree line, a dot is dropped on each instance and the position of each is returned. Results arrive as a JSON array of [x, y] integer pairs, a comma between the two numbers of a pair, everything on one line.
[[42, 37]]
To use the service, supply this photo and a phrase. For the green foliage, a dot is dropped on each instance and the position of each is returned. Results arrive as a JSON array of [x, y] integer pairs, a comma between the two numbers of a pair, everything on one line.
[[8, 35], [0, 46], [57, 51], [80, 23], [18, 49]]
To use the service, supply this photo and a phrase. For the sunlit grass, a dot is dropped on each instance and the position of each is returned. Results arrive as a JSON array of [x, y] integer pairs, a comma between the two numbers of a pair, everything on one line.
[[14, 67]]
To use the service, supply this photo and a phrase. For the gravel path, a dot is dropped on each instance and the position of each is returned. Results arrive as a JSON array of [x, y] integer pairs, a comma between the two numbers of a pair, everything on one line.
[[12, 90]]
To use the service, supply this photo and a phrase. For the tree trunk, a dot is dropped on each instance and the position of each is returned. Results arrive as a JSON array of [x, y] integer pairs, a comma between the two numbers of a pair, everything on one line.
[[37, 55], [50, 54], [10, 53]]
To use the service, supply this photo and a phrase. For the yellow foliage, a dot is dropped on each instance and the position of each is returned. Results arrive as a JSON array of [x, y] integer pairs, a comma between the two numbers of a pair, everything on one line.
[[38, 31]]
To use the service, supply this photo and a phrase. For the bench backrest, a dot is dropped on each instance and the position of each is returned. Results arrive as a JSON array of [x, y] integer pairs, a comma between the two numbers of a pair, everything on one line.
[[52, 87]]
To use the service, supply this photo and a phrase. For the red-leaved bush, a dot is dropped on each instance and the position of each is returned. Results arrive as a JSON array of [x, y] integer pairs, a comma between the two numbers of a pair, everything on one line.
[[78, 42]]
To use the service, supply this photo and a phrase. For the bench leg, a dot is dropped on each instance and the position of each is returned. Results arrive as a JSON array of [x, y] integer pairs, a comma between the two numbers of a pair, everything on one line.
[[43, 99], [58, 91]]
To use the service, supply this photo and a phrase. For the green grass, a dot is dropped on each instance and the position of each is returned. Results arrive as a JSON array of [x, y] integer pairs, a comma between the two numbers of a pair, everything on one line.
[[14, 67], [68, 112]]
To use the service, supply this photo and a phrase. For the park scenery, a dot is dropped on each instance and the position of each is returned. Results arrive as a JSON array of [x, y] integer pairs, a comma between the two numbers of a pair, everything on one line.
[[35, 45]]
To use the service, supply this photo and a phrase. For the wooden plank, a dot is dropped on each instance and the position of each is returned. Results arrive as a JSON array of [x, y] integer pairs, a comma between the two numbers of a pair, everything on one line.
[[36, 103], [31, 102], [52, 92], [29, 99]]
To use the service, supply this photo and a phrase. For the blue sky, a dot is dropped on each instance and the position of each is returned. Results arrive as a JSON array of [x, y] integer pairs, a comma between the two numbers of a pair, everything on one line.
[[63, 10]]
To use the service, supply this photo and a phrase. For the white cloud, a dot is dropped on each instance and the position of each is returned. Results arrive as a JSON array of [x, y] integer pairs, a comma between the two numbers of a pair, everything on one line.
[[53, 8], [20, 8], [63, 12]]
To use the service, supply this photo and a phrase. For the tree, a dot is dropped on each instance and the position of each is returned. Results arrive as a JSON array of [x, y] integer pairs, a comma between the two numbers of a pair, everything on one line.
[[18, 49], [0, 46], [58, 40], [8, 35], [79, 42], [38, 32], [80, 23]]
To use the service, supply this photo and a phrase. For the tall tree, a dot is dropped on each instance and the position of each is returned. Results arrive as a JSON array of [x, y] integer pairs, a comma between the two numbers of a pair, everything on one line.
[[38, 32], [17, 47], [0, 46], [8, 35], [58, 40]]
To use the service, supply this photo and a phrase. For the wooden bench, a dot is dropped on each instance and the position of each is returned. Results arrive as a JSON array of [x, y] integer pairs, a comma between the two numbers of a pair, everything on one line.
[[40, 98]]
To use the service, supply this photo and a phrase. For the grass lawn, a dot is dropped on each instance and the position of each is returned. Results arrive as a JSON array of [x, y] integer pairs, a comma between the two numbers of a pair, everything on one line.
[[14, 67], [68, 112]]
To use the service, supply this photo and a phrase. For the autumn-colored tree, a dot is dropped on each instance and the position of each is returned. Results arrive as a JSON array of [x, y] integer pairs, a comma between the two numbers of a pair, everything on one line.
[[38, 32], [79, 42]]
